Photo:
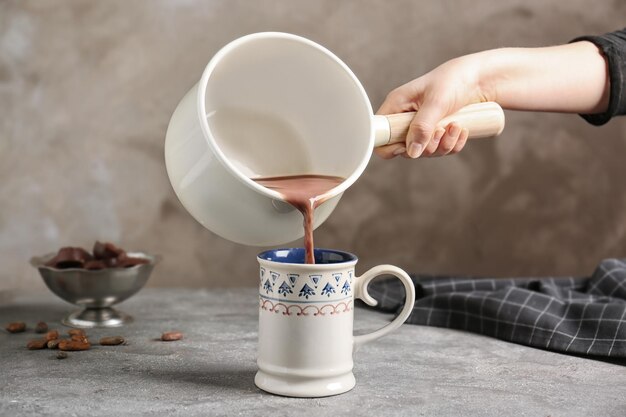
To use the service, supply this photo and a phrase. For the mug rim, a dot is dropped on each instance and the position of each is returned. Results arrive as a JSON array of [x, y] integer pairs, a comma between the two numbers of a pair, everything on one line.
[[348, 258]]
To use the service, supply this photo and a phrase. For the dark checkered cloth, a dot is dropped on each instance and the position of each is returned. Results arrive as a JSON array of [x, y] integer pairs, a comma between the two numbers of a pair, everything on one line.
[[585, 316]]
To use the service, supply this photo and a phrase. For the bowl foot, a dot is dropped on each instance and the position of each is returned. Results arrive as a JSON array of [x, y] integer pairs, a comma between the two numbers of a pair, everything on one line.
[[97, 317]]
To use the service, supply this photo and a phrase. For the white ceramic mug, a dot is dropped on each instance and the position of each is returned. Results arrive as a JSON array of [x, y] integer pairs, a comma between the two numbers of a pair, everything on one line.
[[306, 316]]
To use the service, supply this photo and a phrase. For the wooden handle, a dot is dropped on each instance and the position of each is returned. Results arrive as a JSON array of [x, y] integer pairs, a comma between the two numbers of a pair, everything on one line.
[[483, 120]]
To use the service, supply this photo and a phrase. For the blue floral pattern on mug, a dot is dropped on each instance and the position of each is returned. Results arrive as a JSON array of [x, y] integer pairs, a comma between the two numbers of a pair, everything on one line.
[[306, 291], [268, 287], [284, 289], [345, 289], [328, 289]]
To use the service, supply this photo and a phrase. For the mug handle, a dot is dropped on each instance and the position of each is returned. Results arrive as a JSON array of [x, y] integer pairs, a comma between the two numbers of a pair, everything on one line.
[[360, 292]]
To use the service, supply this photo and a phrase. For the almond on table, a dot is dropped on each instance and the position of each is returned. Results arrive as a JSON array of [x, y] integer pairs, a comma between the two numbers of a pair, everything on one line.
[[41, 327], [171, 336], [73, 345], [78, 335], [16, 327], [76, 332], [79, 338], [37, 344], [112, 341], [52, 335]]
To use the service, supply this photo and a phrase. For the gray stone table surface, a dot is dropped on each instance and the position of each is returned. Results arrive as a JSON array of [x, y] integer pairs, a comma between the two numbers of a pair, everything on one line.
[[414, 371]]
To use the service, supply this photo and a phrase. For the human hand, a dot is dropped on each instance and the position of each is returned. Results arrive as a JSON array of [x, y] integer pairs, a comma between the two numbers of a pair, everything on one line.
[[570, 78], [434, 96]]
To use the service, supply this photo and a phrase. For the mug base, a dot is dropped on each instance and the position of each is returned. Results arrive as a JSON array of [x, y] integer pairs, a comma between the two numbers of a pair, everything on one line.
[[293, 386]]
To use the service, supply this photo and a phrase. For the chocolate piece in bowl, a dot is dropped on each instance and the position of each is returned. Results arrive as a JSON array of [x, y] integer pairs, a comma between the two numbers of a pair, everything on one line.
[[69, 257], [129, 262], [105, 255], [95, 265], [112, 262], [107, 250]]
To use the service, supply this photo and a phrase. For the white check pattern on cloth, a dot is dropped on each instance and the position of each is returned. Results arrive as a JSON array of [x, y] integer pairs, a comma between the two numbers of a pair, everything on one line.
[[584, 316]]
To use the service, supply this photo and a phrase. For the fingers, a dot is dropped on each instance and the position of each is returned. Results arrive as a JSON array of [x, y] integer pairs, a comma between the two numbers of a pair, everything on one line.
[[461, 142], [433, 145], [422, 128], [390, 151], [446, 141], [452, 141]]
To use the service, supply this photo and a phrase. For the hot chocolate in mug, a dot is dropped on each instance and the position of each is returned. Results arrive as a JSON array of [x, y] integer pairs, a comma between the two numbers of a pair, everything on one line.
[[306, 314]]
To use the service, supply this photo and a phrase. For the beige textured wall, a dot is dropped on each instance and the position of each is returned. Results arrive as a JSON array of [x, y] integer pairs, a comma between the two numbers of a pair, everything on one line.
[[87, 89]]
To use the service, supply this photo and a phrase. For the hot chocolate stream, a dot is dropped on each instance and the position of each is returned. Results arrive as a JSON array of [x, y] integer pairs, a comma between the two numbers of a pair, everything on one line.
[[306, 193]]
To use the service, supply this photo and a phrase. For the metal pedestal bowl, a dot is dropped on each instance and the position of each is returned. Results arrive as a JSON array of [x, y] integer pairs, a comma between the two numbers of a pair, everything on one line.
[[95, 291]]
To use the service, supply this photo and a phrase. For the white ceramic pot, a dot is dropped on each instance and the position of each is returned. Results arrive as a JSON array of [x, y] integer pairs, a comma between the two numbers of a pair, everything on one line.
[[274, 104]]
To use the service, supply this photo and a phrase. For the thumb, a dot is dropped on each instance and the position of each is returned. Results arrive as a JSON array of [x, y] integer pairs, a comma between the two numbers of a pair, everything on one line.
[[422, 127]]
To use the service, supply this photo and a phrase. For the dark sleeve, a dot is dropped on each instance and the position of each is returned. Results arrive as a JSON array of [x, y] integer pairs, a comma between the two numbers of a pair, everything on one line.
[[613, 46]]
